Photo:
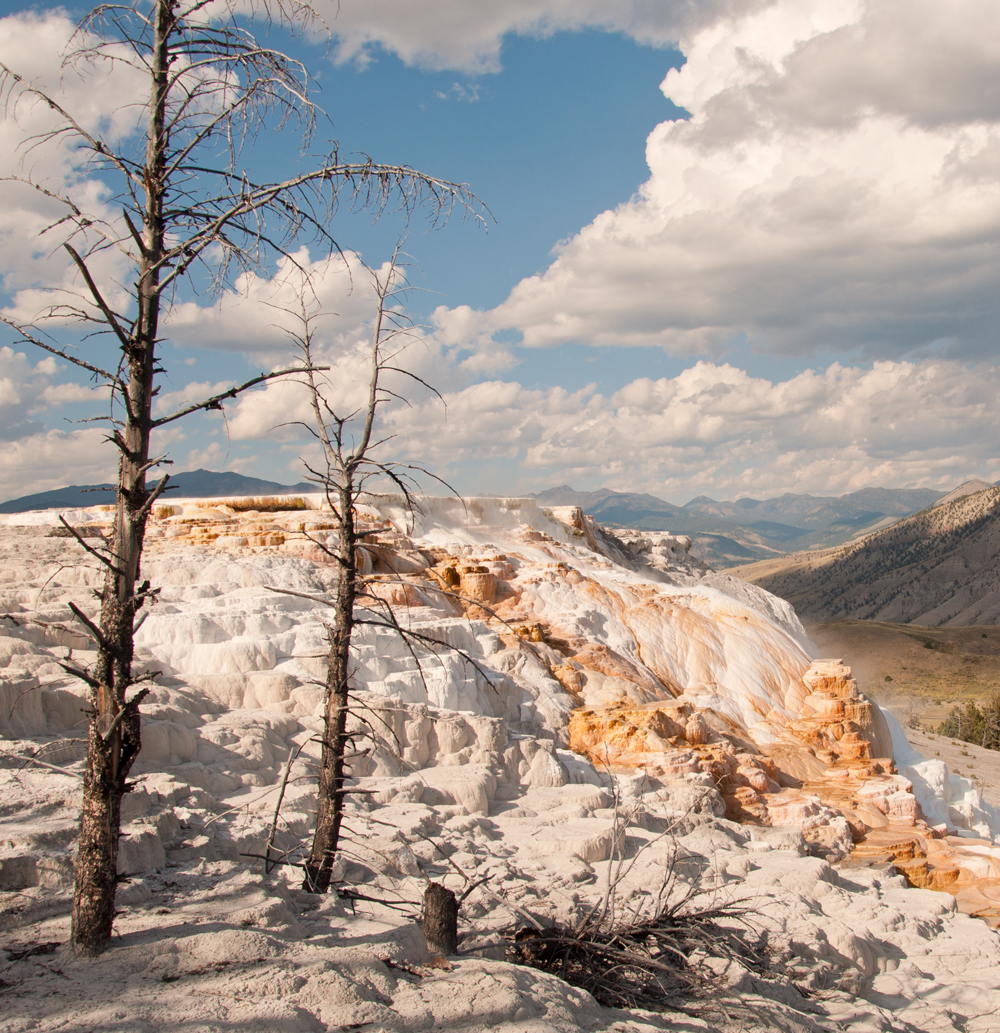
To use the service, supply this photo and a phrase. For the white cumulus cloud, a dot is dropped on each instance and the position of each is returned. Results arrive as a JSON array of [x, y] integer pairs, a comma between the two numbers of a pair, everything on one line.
[[836, 187], [32, 457], [713, 428], [33, 267], [52, 459], [456, 34]]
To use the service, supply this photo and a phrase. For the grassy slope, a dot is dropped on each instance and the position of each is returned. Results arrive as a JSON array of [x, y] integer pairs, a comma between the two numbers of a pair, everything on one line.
[[959, 664]]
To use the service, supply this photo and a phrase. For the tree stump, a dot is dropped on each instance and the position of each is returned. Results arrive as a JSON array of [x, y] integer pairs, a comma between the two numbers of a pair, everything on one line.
[[440, 920]]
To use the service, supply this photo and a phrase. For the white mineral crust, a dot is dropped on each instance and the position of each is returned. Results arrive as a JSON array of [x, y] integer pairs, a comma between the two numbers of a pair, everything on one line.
[[480, 773]]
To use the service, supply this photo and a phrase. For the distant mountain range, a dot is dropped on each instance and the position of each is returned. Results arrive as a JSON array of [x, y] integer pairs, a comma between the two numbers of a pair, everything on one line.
[[939, 567], [811, 511], [194, 483], [725, 534], [730, 533]]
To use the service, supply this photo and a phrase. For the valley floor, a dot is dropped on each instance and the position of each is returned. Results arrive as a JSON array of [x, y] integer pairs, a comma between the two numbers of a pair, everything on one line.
[[917, 672]]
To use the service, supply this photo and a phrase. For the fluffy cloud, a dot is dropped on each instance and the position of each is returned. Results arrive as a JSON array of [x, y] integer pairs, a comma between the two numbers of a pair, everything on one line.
[[260, 316], [53, 459], [261, 319], [32, 45], [27, 391], [712, 428], [837, 187], [31, 457], [466, 36]]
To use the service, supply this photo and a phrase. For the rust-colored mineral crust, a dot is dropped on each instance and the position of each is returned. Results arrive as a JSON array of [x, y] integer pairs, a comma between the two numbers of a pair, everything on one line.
[[831, 764], [829, 772]]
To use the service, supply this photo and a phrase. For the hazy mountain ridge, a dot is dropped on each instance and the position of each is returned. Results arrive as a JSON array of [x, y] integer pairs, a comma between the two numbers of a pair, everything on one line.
[[606, 504], [938, 567], [816, 512], [201, 483], [765, 529], [741, 531], [720, 542]]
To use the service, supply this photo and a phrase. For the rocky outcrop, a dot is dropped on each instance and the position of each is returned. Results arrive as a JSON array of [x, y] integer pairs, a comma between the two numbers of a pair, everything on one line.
[[829, 772], [549, 652], [735, 756]]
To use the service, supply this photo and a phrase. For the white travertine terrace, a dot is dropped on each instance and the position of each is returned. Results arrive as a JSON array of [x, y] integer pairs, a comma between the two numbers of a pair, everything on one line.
[[547, 624]]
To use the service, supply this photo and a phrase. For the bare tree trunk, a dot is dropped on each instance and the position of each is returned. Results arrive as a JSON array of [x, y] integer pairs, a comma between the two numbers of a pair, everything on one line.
[[97, 855], [440, 920], [211, 84], [114, 737], [330, 802]]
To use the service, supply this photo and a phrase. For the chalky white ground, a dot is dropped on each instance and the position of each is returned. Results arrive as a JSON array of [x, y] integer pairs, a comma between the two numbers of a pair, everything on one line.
[[204, 941]]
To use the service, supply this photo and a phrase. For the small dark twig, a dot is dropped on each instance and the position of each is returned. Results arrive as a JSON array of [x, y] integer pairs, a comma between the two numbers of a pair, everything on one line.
[[293, 755]]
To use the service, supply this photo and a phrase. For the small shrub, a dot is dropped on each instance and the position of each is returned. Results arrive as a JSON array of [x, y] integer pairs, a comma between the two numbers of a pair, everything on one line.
[[651, 954], [643, 961]]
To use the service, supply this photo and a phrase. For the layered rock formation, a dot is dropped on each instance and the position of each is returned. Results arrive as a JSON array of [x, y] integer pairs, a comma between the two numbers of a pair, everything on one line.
[[829, 772], [550, 655], [618, 647]]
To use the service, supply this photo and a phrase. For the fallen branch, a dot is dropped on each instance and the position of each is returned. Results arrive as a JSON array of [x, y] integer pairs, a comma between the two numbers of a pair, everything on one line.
[[51, 767]]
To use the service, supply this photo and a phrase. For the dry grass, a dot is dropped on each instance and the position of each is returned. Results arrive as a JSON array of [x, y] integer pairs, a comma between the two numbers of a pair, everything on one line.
[[917, 672]]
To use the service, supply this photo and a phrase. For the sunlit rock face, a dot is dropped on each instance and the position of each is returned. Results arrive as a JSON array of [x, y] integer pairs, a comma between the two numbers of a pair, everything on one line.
[[827, 770], [547, 652]]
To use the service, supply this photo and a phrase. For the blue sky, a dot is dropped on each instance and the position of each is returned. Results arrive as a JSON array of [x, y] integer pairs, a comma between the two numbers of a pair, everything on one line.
[[553, 138], [738, 250]]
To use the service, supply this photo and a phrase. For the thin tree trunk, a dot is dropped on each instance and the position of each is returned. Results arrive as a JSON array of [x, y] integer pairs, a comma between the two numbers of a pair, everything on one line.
[[330, 811], [97, 855], [114, 737], [440, 920]]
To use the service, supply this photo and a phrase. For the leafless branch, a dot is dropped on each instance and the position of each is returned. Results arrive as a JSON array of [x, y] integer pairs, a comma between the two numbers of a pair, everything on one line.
[[215, 402], [30, 338], [93, 552]]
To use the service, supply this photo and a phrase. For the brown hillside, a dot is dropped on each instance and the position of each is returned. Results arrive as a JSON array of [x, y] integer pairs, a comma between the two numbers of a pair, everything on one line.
[[939, 567]]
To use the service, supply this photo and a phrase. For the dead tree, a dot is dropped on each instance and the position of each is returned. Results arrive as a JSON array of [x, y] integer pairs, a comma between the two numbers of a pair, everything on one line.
[[184, 211], [350, 458], [440, 920]]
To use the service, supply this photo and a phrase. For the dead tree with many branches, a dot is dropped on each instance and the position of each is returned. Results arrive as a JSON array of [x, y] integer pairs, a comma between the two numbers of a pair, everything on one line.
[[184, 210], [350, 459]]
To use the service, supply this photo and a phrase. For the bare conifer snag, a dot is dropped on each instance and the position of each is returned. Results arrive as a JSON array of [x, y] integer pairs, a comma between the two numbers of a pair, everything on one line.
[[212, 89], [440, 920], [349, 462]]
